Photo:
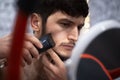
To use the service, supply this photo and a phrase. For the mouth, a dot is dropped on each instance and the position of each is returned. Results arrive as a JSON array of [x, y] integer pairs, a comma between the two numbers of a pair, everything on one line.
[[68, 46]]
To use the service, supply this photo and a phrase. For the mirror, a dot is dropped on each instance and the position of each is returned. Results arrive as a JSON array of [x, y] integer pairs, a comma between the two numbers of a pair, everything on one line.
[[96, 53]]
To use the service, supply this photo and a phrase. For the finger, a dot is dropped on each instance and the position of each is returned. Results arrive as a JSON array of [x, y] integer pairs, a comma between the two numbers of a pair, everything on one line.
[[8, 37], [27, 56], [53, 69], [4, 53], [54, 76], [49, 74], [22, 62], [33, 51], [55, 58], [34, 40], [47, 63]]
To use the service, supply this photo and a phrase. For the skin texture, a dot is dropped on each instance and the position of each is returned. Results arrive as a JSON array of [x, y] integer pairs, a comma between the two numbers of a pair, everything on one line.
[[64, 20], [29, 50], [49, 65], [65, 31]]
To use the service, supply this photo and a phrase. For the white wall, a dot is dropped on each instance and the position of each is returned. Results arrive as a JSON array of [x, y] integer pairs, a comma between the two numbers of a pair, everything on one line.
[[7, 16]]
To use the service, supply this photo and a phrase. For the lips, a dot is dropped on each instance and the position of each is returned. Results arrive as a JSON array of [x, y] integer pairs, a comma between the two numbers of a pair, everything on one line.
[[68, 46]]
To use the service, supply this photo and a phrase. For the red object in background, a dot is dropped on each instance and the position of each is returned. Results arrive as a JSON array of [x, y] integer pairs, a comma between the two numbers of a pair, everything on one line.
[[115, 73], [14, 60]]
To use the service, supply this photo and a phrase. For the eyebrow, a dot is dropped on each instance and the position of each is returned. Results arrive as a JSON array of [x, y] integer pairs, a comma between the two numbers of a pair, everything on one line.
[[67, 20], [72, 22]]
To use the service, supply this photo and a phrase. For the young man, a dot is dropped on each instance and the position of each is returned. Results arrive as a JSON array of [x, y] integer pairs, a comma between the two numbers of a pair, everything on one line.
[[64, 20]]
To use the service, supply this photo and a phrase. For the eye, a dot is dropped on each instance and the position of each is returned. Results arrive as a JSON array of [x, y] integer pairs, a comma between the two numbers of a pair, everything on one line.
[[65, 24], [80, 27]]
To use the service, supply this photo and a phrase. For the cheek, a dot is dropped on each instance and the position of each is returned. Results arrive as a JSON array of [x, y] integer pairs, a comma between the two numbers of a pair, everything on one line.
[[59, 37]]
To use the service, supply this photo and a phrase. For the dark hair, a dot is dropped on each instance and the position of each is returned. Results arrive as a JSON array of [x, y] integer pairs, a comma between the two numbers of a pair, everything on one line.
[[74, 8]]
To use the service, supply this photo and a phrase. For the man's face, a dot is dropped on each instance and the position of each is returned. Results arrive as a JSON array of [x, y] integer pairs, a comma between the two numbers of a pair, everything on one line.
[[65, 31]]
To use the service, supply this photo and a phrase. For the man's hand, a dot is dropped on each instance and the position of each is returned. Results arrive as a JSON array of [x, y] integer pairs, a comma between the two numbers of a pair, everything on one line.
[[5, 43], [29, 50], [54, 70]]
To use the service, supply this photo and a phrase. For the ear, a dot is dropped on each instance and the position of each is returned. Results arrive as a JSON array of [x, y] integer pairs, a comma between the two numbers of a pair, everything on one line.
[[36, 22]]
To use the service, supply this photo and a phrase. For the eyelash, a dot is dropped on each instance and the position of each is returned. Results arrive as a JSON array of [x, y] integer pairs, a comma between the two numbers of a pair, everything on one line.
[[65, 24], [79, 27]]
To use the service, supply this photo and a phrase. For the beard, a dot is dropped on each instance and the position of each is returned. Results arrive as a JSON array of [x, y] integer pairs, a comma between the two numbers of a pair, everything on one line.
[[63, 58], [62, 53]]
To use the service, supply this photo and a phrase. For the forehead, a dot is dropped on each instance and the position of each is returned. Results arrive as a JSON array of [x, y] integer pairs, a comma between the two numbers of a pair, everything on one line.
[[62, 16]]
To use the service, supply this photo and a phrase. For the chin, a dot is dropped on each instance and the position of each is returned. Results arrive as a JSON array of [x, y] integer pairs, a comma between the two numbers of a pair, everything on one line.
[[63, 58]]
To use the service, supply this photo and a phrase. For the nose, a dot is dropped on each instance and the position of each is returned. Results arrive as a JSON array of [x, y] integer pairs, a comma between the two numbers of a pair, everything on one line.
[[73, 34]]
